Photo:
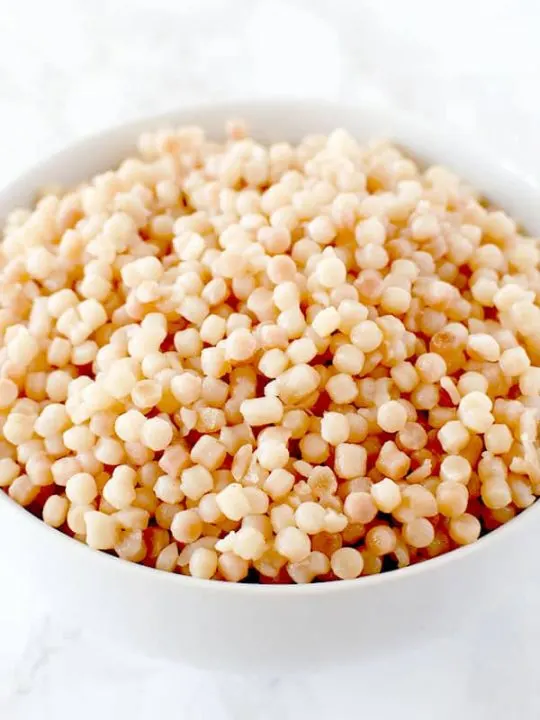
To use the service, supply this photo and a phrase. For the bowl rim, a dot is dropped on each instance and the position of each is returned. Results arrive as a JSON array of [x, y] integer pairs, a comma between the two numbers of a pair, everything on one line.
[[418, 134]]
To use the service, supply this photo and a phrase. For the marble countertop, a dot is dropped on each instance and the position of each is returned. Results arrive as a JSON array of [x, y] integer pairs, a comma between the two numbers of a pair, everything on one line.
[[71, 67]]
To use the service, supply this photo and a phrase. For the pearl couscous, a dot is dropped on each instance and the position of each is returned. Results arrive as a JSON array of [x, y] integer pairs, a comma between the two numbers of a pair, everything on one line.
[[284, 363]]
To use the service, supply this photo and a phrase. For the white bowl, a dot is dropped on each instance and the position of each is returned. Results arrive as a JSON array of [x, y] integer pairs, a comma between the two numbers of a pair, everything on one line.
[[249, 627]]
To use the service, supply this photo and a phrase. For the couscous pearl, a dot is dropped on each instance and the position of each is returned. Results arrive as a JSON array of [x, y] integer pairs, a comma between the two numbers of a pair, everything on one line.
[[418, 533], [347, 563], [232, 567], [514, 361], [203, 563], [119, 491], [55, 510], [8, 392], [386, 495], [452, 498], [233, 502], [186, 526], [293, 544], [498, 439], [360, 507], [366, 336], [310, 517], [196, 481], [167, 558], [128, 425], [326, 322], [81, 489], [331, 272], [464, 529], [156, 434], [335, 428], [380, 540], [101, 530], [262, 411], [392, 416], [249, 543], [456, 468]]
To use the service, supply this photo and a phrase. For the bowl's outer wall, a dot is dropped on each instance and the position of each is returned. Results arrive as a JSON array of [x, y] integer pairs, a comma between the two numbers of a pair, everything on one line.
[[215, 624]]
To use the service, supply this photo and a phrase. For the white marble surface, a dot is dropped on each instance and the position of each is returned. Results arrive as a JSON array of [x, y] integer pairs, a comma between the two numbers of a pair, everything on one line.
[[70, 67]]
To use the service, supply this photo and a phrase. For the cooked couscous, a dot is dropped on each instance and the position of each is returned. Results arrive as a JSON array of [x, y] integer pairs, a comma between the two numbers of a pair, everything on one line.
[[274, 363]]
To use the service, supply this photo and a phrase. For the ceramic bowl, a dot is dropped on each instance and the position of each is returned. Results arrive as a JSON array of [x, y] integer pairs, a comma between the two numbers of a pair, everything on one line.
[[253, 627]]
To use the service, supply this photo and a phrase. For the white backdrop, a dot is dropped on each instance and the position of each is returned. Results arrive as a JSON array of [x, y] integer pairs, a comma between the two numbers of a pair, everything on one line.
[[71, 67]]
